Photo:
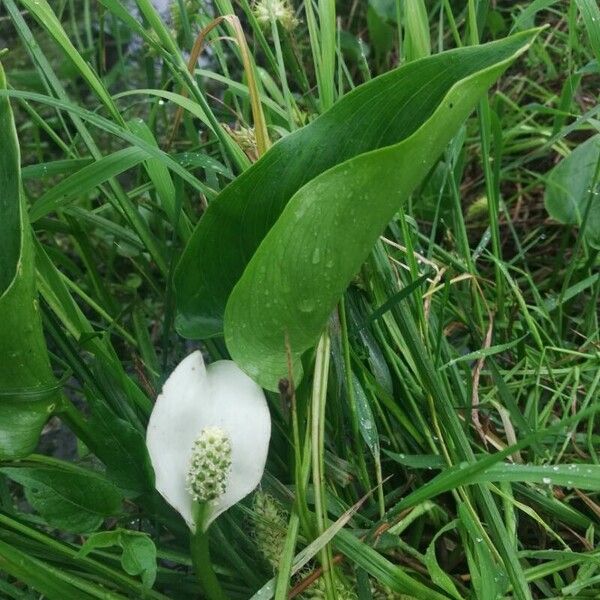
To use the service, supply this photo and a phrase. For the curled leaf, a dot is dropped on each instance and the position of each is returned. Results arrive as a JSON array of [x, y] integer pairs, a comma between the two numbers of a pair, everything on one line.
[[28, 389]]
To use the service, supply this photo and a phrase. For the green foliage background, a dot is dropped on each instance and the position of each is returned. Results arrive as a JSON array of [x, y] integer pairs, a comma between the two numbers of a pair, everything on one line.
[[411, 271]]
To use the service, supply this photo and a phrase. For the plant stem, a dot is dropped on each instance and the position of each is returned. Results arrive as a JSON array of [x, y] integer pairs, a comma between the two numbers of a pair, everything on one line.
[[319, 398], [200, 552], [348, 375]]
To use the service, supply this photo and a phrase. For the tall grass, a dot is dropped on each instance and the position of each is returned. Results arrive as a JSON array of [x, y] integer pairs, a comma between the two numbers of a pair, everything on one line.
[[446, 442]]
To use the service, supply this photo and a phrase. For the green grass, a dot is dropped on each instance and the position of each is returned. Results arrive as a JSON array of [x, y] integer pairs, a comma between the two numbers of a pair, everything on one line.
[[444, 442]]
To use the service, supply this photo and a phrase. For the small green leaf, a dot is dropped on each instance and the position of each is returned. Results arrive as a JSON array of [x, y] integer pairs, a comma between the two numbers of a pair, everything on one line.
[[572, 475], [56, 167], [385, 9], [572, 185], [366, 422], [28, 389], [525, 19], [139, 552], [477, 354], [67, 497]]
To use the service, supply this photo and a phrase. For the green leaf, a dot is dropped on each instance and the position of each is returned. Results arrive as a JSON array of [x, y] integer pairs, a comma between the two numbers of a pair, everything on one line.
[[438, 575], [86, 179], [139, 552], [381, 35], [48, 580], [417, 41], [582, 476], [67, 497], [366, 421], [477, 354], [122, 448], [572, 185], [328, 228], [489, 579], [53, 168], [158, 172], [378, 114], [591, 17], [385, 9], [28, 389], [525, 19], [381, 568]]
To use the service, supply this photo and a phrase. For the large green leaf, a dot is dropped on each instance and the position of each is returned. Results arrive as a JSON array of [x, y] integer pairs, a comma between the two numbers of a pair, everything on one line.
[[328, 228], [572, 191], [28, 390], [68, 497], [378, 114]]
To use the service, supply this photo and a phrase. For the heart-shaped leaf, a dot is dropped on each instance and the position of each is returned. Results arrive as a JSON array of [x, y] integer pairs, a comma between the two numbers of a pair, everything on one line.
[[327, 229], [28, 390], [378, 114]]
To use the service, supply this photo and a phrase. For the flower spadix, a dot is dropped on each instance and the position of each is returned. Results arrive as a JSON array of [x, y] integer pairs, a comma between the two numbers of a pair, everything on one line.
[[208, 438]]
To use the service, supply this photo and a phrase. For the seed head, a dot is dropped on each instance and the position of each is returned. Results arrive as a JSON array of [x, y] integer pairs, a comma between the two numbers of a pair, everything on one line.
[[278, 10], [245, 138], [270, 522], [210, 465]]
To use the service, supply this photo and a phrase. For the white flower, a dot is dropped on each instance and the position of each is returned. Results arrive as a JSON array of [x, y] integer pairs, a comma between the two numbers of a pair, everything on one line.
[[208, 437]]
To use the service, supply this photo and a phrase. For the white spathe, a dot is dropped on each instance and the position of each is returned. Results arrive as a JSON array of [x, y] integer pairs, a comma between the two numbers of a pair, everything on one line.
[[193, 398]]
